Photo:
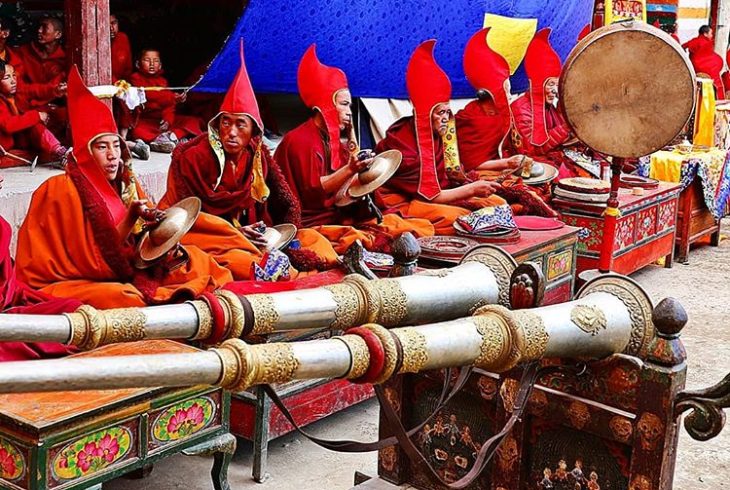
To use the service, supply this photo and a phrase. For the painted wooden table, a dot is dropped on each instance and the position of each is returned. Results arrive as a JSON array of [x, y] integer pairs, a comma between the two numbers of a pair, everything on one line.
[[554, 251], [694, 220], [645, 231], [78, 440]]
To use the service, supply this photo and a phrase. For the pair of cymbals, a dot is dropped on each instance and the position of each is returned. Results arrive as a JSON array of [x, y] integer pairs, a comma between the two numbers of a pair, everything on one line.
[[363, 183]]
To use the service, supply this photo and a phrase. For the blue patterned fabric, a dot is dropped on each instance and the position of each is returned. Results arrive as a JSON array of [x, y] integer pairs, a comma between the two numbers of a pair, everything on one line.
[[372, 40], [488, 220], [273, 267], [716, 192]]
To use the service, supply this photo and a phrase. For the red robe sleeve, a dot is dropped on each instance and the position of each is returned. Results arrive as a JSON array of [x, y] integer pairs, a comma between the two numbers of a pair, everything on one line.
[[13, 123]]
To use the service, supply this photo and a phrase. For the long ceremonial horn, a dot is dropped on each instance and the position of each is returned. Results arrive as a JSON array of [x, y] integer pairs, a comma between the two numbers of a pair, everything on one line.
[[482, 278], [612, 315]]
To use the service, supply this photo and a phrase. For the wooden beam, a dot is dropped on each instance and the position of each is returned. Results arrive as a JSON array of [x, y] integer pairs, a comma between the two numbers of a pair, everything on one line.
[[88, 39]]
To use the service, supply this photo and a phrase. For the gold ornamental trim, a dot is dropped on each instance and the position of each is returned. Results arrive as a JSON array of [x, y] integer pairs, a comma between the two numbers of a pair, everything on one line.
[[91, 328], [415, 355], [234, 355], [205, 319], [393, 303], [350, 307], [536, 335], [391, 351], [264, 313], [371, 307], [237, 319], [494, 345], [516, 344], [360, 355], [588, 318], [248, 365]]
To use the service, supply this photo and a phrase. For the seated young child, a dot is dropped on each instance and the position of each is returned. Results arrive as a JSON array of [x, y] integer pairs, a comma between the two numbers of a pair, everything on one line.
[[156, 122], [23, 133]]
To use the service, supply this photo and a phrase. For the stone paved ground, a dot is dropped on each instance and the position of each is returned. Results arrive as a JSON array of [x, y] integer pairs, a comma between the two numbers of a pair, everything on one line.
[[703, 286]]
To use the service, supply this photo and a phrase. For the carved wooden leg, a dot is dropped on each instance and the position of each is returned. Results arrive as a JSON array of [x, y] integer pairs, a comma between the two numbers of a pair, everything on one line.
[[669, 259], [261, 435], [222, 448], [715, 238]]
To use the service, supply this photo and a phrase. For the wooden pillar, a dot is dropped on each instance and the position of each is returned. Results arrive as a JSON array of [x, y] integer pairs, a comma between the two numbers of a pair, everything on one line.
[[87, 39], [720, 17]]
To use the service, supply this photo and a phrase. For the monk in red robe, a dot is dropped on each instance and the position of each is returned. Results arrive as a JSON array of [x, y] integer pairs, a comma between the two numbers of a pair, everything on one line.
[[44, 62], [230, 169], [9, 55], [539, 129], [316, 164], [156, 122], [484, 124], [23, 132], [121, 51], [421, 187], [16, 297], [705, 60], [79, 235]]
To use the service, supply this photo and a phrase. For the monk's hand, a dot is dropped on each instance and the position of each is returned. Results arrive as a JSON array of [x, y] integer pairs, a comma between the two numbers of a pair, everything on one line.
[[139, 209], [43, 116], [515, 162], [180, 98], [164, 126], [482, 188], [358, 165], [60, 89], [254, 234]]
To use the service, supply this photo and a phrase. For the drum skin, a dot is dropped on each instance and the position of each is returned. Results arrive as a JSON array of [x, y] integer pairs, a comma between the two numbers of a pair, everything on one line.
[[627, 89]]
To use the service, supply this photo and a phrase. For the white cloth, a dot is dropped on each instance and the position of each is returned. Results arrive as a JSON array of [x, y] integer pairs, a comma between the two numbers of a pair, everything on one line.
[[19, 185]]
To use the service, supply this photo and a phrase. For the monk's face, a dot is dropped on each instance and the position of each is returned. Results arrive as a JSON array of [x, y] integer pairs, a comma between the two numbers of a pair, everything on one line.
[[113, 26], [48, 32], [343, 103], [149, 62], [235, 131], [107, 152], [440, 118], [8, 83], [551, 90]]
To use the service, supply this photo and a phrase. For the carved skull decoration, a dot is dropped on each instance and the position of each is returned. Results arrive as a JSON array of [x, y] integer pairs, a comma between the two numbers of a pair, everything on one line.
[[538, 403], [507, 454], [388, 458], [579, 414], [640, 482], [487, 387], [508, 391], [651, 429], [392, 396], [621, 428]]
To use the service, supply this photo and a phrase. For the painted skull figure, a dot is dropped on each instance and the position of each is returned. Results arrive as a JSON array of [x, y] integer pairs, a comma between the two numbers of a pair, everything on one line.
[[640, 482], [508, 391], [388, 458], [651, 429], [538, 403], [621, 428], [507, 454], [579, 414], [487, 387]]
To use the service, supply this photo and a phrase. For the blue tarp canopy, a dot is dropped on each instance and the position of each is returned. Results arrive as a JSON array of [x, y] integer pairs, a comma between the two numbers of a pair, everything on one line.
[[372, 40]]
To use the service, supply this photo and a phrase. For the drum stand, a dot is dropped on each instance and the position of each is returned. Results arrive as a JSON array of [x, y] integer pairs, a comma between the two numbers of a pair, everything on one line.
[[611, 216]]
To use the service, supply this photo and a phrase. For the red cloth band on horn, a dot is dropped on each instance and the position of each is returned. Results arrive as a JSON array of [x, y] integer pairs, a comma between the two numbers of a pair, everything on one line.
[[377, 354], [219, 318]]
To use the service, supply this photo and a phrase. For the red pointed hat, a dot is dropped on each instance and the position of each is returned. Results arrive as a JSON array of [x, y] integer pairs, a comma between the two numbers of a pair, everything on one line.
[[541, 63], [428, 85], [318, 84], [90, 119], [584, 32], [486, 69], [240, 98]]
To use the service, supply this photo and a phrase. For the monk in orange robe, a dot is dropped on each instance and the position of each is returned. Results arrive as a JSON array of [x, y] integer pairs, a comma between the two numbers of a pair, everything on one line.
[[16, 297], [316, 164], [421, 187], [539, 129], [484, 124], [77, 240], [230, 169]]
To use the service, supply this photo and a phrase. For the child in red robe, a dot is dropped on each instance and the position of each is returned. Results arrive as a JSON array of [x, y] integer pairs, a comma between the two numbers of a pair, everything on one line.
[[156, 122], [22, 133]]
